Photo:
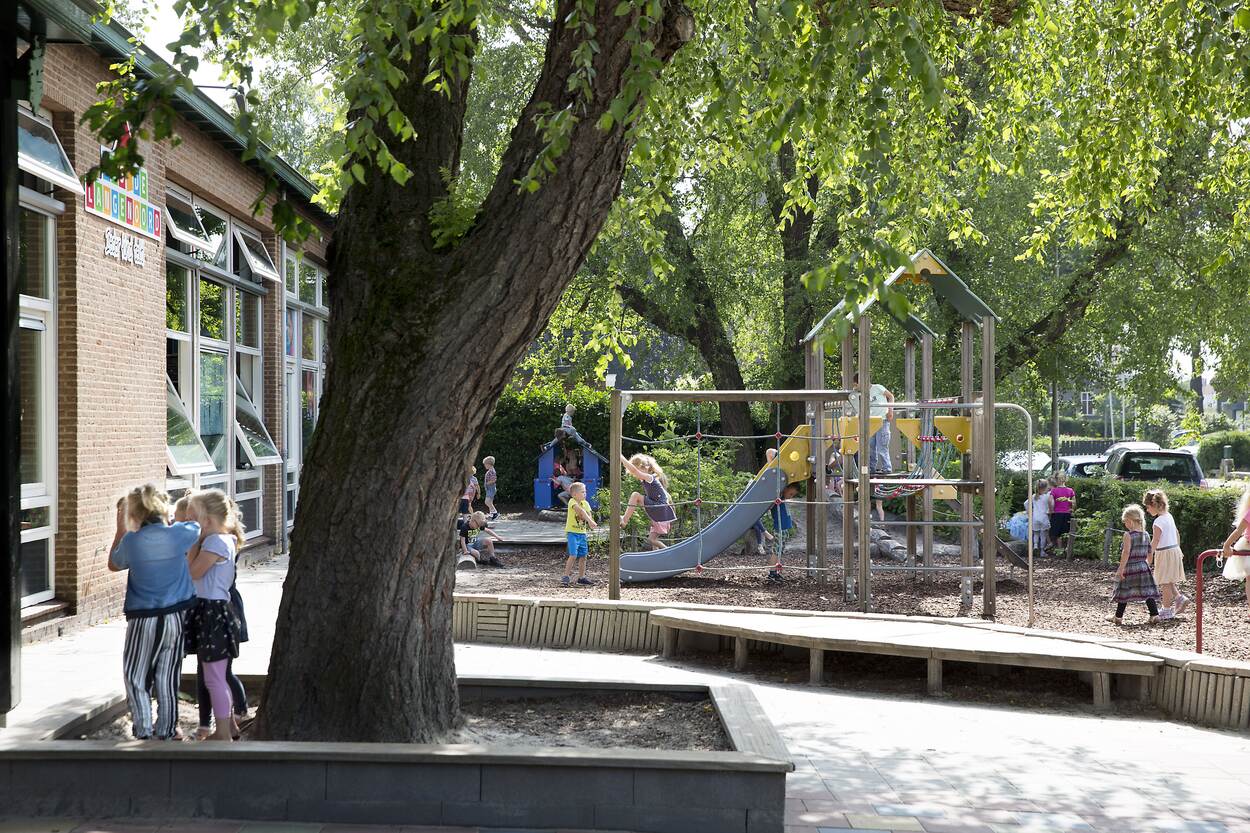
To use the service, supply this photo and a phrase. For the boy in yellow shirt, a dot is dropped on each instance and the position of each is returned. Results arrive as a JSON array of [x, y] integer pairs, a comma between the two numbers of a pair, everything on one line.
[[578, 522]]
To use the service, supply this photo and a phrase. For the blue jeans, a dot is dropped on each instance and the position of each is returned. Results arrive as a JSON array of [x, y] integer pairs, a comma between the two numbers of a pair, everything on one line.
[[879, 450]]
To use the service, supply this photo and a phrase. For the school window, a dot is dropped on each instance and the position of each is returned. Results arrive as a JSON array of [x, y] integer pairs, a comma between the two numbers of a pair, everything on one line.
[[217, 436], [305, 351], [36, 385], [40, 154]]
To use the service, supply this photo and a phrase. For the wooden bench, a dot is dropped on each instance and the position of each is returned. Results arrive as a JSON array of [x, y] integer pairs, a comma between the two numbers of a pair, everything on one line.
[[927, 639]]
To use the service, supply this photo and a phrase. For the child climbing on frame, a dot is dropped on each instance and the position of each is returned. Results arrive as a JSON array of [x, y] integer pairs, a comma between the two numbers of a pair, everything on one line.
[[1134, 583], [1237, 545], [654, 499], [566, 423], [1166, 557]]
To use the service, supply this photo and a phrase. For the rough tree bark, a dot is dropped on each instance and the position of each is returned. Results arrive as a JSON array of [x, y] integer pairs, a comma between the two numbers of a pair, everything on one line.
[[422, 342], [705, 330]]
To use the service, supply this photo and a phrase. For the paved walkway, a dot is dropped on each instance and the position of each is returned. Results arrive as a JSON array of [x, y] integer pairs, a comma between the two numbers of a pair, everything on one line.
[[865, 761]]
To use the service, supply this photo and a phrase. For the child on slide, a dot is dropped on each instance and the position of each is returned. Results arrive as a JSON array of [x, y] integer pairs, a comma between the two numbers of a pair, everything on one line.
[[654, 499]]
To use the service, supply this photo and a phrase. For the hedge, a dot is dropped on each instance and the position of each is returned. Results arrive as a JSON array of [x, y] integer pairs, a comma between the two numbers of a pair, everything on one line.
[[526, 419], [1203, 516], [1211, 450]]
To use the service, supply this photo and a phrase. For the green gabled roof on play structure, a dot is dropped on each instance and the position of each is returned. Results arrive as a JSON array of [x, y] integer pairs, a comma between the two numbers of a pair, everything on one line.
[[925, 267]]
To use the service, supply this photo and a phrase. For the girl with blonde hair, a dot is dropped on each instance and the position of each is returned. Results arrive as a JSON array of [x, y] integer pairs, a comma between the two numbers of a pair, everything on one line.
[[1237, 545], [1166, 558], [654, 498], [212, 625], [158, 592], [1134, 583]]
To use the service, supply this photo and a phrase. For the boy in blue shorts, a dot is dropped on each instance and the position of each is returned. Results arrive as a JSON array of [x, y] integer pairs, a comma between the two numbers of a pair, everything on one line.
[[577, 524]]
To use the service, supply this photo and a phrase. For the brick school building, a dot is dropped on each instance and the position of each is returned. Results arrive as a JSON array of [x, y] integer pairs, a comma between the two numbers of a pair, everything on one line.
[[167, 334]]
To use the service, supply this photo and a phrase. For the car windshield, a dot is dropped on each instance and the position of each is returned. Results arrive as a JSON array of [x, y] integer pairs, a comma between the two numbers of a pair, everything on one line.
[[1146, 466], [1090, 469]]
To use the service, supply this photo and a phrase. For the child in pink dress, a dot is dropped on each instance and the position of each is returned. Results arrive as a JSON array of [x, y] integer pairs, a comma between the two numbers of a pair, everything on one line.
[[1237, 545]]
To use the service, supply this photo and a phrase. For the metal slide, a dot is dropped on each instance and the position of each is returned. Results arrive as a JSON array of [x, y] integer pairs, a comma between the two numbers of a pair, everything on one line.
[[715, 538]]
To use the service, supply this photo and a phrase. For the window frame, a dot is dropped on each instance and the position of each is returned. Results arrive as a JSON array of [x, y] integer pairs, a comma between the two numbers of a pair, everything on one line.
[[264, 270], [40, 169], [175, 468], [242, 399], [188, 238]]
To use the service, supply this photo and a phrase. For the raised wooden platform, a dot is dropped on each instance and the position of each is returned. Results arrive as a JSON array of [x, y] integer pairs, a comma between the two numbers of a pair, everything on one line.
[[930, 640], [526, 532]]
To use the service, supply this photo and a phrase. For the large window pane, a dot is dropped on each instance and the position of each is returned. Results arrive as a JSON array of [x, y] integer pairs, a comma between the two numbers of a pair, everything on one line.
[[292, 331], [176, 280], [252, 434], [215, 228], [256, 256], [308, 410], [292, 274], [39, 152], [309, 333], [36, 577], [214, 425], [31, 401], [33, 263], [186, 454], [308, 283], [183, 224], [247, 318], [249, 513], [212, 310]]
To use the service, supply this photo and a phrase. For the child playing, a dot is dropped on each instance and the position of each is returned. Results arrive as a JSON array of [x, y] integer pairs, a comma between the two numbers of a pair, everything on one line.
[[1134, 583], [655, 502], [212, 629], [474, 544], [782, 523], [1064, 498], [490, 479], [561, 482], [158, 591], [566, 423], [1043, 503], [471, 492], [578, 523], [1166, 557], [1237, 567]]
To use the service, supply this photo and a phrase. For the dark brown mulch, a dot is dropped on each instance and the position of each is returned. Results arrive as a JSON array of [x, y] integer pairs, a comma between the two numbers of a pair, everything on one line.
[[1073, 597]]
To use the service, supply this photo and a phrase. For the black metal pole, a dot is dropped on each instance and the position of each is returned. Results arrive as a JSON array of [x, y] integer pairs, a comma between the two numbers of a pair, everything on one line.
[[10, 446]]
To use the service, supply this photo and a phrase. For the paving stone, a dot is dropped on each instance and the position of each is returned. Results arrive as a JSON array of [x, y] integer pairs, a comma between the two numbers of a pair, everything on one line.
[[107, 826], [944, 826], [931, 811], [671, 819], [877, 822], [38, 825], [1053, 823], [280, 827]]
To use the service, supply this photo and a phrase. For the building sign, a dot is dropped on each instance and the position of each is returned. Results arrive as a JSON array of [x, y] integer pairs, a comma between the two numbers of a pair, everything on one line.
[[125, 247], [125, 202]]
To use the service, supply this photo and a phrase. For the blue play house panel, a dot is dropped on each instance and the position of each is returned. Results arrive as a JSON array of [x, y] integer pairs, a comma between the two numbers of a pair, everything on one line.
[[593, 470]]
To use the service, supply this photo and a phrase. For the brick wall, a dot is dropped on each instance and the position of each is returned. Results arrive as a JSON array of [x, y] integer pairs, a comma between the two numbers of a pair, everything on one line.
[[111, 337]]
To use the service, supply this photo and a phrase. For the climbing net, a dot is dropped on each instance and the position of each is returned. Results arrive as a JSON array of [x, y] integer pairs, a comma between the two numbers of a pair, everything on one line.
[[935, 453]]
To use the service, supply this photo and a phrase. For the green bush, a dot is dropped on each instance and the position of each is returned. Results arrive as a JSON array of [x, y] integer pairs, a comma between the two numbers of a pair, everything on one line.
[[1157, 424], [1211, 450], [1203, 517]]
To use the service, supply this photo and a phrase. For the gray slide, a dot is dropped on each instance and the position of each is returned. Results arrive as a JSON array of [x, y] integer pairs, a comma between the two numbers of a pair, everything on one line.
[[716, 537]]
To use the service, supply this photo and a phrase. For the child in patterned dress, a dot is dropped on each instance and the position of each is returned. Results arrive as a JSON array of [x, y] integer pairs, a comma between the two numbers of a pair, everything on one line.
[[1134, 581]]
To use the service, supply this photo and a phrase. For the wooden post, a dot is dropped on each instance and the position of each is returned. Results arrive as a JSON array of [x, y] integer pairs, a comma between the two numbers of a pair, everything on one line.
[[909, 393], [614, 492], [989, 539], [865, 465], [740, 653], [816, 670], [935, 676], [967, 536], [926, 392], [848, 490], [817, 498], [1102, 690], [668, 638]]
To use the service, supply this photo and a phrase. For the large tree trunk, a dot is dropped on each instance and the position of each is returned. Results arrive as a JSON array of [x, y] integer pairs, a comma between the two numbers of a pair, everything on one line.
[[422, 342], [705, 331]]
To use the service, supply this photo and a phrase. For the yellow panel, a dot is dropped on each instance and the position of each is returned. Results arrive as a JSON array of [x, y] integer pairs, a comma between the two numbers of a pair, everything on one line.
[[944, 493], [794, 453], [926, 263], [909, 427], [957, 429], [849, 429]]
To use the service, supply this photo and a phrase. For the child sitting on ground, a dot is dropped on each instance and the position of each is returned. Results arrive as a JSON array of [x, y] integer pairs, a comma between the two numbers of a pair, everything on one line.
[[576, 526], [1043, 503], [1237, 545], [1166, 557], [655, 502], [1134, 583], [481, 548], [490, 479]]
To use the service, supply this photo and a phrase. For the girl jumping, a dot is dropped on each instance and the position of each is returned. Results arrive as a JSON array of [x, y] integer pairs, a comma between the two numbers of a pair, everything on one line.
[[1134, 583], [654, 498]]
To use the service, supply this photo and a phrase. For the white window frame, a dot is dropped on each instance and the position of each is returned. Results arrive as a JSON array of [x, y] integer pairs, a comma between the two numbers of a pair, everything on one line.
[[240, 399], [1087, 403], [264, 269], [197, 238], [35, 167], [175, 468], [227, 236]]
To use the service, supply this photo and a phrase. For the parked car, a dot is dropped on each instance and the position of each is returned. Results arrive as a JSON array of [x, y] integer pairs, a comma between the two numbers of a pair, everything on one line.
[[1078, 465], [1174, 466], [1131, 445]]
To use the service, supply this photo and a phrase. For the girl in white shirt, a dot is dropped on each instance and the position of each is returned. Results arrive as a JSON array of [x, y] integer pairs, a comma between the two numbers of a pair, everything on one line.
[[1043, 505], [1165, 553]]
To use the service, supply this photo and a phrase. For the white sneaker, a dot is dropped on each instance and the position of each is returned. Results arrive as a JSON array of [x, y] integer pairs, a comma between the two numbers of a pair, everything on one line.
[[1166, 613], [1115, 620], [1182, 602]]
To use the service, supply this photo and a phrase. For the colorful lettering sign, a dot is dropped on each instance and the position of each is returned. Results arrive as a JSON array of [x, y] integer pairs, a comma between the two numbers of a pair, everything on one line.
[[125, 202]]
